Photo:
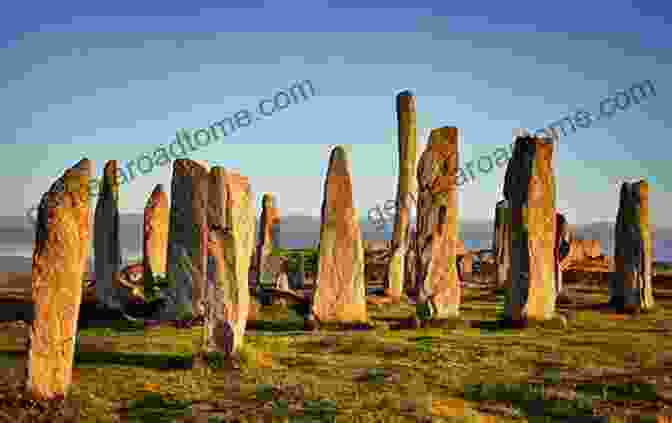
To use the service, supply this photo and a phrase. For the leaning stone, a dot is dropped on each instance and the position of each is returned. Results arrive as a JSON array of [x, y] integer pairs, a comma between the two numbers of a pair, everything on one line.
[[62, 246], [529, 188], [630, 287], [340, 295], [437, 233], [106, 246], [405, 189]]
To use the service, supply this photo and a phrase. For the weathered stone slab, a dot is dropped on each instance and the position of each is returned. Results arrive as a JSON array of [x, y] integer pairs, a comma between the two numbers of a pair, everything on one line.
[[502, 244], [155, 233], [630, 287], [405, 191], [269, 224], [562, 248], [62, 247], [340, 294], [437, 239], [529, 188], [188, 230], [106, 246], [227, 302]]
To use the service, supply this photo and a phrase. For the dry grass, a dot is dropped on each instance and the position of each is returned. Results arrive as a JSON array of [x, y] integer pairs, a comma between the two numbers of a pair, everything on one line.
[[379, 375]]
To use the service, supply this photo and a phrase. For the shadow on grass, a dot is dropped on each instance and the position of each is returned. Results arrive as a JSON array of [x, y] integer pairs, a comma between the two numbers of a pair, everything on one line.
[[159, 361]]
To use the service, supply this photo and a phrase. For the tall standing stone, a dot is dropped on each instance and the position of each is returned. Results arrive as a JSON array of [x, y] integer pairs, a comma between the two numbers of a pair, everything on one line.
[[62, 248], [437, 239], [106, 245], [502, 244], [155, 233], [340, 295], [297, 278], [410, 277], [188, 230], [231, 242], [529, 187], [405, 190], [630, 288], [562, 245], [269, 223]]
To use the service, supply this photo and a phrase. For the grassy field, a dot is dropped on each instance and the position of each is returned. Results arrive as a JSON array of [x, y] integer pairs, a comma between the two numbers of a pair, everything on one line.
[[603, 363]]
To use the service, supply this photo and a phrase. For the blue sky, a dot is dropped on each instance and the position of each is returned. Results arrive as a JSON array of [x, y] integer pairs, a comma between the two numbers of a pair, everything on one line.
[[114, 81]]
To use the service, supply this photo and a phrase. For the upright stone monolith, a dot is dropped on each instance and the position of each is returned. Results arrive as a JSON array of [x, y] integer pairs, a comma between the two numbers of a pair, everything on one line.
[[502, 244], [62, 247], [630, 287], [297, 277], [437, 239], [269, 223], [188, 230], [406, 189], [529, 188], [562, 245], [340, 295], [231, 242], [155, 233], [106, 245]]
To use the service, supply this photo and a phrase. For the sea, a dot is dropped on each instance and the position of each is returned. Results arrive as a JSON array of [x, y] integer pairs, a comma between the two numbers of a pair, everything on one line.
[[17, 257]]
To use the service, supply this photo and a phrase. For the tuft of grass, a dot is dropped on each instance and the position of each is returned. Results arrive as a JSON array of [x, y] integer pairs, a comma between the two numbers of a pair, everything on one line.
[[154, 408]]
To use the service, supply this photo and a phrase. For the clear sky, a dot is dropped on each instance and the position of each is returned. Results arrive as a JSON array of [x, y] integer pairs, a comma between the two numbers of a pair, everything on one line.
[[115, 80]]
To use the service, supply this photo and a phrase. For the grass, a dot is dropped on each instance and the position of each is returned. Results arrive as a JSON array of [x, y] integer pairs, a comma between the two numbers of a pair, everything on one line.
[[123, 372]]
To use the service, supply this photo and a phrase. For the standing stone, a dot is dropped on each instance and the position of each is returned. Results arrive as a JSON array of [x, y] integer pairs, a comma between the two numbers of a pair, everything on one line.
[[410, 277], [188, 230], [466, 265], [269, 222], [562, 245], [340, 295], [502, 244], [155, 233], [529, 188], [62, 247], [437, 232], [297, 278], [106, 246], [405, 191], [231, 242], [630, 288]]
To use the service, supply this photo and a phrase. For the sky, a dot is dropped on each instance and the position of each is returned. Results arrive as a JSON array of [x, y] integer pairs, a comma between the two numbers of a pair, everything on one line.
[[117, 80]]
